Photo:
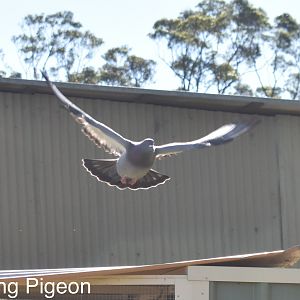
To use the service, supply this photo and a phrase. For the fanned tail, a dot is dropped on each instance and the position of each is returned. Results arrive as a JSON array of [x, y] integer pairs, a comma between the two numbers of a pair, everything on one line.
[[105, 170], [151, 179]]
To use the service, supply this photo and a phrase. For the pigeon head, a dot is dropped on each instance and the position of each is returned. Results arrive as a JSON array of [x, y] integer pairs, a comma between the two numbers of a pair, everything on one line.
[[148, 143]]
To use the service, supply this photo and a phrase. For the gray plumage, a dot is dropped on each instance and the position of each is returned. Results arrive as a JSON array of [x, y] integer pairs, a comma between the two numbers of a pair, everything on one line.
[[132, 168]]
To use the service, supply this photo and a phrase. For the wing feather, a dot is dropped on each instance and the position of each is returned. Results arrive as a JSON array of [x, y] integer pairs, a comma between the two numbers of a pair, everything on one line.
[[220, 136], [103, 136]]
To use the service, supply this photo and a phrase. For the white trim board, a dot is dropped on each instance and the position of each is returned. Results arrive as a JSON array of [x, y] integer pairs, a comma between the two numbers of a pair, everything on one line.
[[243, 274]]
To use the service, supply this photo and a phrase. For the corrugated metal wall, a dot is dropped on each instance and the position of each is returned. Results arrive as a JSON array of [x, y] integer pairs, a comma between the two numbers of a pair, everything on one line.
[[237, 198], [289, 167]]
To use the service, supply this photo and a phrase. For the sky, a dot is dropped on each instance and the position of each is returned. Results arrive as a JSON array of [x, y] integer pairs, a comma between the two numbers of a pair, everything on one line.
[[118, 23]]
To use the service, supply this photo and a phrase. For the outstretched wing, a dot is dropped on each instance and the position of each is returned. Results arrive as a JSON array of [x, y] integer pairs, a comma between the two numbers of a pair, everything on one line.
[[103, 136], [222, 135]]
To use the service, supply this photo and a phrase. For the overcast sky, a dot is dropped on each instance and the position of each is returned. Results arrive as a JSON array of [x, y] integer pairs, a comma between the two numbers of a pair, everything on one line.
[[118, 22]]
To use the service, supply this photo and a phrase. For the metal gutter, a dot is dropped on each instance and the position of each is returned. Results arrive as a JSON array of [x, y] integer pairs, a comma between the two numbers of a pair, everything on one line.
[[238, 104]]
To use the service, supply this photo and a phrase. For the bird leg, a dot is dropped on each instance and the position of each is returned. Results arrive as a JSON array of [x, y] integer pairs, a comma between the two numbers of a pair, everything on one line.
[[126, 180], [132, 181]]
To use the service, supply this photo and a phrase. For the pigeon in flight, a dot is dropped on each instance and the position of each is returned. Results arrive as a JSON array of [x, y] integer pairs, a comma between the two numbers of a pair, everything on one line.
[[132, 167]]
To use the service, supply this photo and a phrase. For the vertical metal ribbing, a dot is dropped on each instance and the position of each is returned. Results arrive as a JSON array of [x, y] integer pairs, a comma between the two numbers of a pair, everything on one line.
[[219, 201]]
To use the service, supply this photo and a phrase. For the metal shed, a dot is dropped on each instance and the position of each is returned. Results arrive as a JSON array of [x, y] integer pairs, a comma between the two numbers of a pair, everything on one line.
[[238, 198]]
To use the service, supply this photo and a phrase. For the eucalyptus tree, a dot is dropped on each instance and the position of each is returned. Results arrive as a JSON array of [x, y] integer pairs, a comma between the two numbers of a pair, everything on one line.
[[55, 42], [193, 40], [246, 36], [212, 46], [286, 41], [124, 69]]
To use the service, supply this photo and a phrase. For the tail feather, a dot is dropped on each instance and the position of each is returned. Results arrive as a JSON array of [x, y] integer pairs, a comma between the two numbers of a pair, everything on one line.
[[151, 179], [105, 170]]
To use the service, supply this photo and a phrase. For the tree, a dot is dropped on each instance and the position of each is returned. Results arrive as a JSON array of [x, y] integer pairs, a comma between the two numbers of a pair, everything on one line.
[[220, 45], [123, 69], [212, 46], [243, 90], [193, 40], [270, 68], [287, 40], [245, 38], [59, 44], [55, 42], [294, 86], [87, 75]]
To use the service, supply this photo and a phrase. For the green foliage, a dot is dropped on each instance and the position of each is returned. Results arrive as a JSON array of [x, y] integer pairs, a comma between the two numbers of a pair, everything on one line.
[[57, 41], [283, 63], [293, 88], [224, 75], [217, 45], [268, 91], [87, 75], [123, 69], [209, 45], [193, 39], [243, 90], [245, 32], [59, 44], [120, 68]]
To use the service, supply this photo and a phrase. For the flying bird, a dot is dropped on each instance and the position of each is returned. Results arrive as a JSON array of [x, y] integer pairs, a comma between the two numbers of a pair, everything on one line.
[[132, 167]]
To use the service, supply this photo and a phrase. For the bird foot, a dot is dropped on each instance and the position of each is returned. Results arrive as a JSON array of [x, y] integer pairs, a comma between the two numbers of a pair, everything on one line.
[[126, 180], [132, 181]]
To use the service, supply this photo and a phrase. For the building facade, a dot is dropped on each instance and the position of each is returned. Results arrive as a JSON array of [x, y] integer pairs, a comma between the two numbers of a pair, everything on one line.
[[242, 197]]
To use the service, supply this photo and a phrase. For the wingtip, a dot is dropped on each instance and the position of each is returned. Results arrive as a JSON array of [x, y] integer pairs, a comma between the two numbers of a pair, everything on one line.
[[248, 123], [45, 75], [254, 122]]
